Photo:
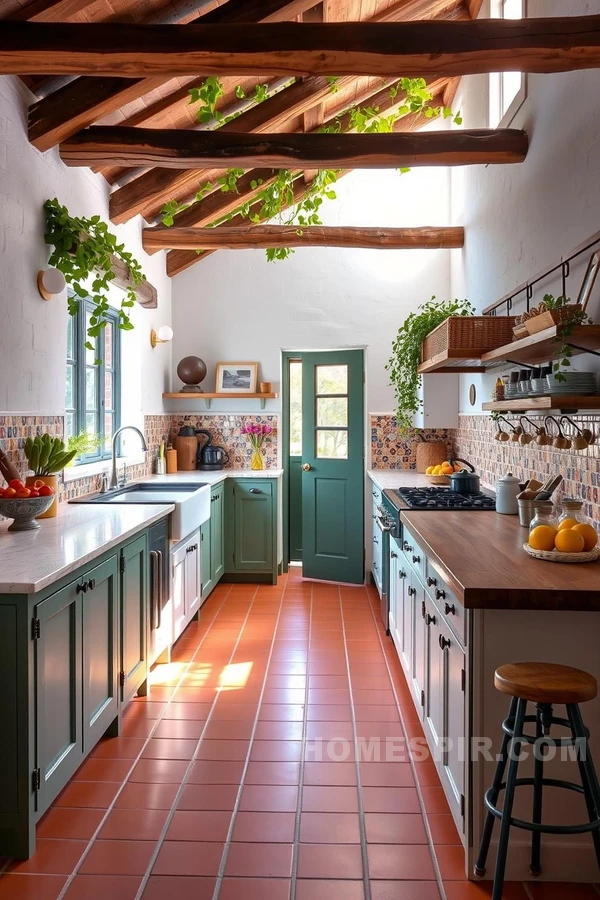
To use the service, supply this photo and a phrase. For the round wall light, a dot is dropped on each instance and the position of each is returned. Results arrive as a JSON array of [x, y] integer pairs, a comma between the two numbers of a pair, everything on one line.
[[51, 283], [162, 336]]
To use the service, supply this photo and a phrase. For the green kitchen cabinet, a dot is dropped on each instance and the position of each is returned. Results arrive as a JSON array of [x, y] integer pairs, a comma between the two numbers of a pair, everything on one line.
[[251, 530], [134, 613], [212, 536]]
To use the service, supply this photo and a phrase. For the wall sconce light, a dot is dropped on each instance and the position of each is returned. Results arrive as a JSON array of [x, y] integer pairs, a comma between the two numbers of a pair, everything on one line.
[[50, 282], [162, 336]]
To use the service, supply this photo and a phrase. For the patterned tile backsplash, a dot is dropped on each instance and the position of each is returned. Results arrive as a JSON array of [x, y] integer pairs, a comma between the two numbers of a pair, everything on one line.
[[389, 451], [225, 431]]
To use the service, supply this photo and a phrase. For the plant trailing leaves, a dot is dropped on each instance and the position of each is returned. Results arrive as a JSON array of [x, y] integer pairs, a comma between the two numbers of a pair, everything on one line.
[[84, 248], [406, 354], [561, 357]]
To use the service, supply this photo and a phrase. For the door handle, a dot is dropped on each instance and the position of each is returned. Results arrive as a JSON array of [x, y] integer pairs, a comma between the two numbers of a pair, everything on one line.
[[306, 467], [444, 642], [255, 491], [450, 609], [154, 588], [430, 620], [82, 588]]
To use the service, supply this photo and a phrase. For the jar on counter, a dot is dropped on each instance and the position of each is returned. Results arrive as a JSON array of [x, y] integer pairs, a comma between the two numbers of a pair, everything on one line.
[[544, 514], [572, 514]]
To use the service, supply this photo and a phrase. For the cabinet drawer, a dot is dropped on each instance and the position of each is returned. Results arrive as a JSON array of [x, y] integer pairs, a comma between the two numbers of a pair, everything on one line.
[[448, 604], [413, 554], [376, 495]]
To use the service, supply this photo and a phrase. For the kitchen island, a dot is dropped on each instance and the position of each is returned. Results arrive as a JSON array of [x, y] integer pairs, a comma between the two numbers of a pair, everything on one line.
[[464, 599]]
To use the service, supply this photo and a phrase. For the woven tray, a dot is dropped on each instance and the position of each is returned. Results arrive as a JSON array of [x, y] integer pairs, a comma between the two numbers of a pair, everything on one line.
[[555, 556], [472, 335]]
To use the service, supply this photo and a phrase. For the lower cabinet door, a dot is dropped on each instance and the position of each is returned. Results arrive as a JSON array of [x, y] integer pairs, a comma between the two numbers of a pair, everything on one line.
[[206, 557], [392, 590], [58, 692], [178, 571], [100, 606], [134, 615], [408, 612], [434, 680], [193, 584], [254, 541], [416, 592], [217, 534], [453, 705]]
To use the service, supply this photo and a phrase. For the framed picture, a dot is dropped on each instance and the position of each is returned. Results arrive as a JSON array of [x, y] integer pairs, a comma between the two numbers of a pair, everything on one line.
[[588, 279], [236, 378]]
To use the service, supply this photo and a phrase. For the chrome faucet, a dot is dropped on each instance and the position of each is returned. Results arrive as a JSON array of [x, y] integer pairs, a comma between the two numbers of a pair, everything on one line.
[[114, 481]]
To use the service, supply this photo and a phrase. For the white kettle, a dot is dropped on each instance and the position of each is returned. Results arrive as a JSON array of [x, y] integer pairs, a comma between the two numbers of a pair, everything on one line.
[[507, 490]]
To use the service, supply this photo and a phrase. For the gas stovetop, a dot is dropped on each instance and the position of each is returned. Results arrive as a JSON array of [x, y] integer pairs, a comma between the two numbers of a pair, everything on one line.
[[438, 498]]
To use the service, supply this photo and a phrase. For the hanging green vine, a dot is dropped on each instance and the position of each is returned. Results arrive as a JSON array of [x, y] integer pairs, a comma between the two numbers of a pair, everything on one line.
[[83, 249]]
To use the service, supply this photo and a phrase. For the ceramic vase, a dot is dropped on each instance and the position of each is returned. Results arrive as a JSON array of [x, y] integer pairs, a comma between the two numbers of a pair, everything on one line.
[[257, 461], [52, 481]]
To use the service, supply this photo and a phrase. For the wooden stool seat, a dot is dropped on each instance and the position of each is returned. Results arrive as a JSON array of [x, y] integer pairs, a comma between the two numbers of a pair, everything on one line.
[[545, 683]]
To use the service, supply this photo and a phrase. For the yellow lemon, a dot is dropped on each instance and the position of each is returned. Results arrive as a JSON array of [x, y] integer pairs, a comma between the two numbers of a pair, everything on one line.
[[429, 470], [542, 537], [437, 470], [589, 534], [567, 523], [569, 541]]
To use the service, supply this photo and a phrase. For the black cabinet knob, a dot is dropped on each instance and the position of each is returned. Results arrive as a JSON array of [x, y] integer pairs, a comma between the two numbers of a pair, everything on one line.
[[430, 620], [92, 584], [394, 555], [402, 574], [82, 588], [440, 595], [444, 642], [450, 609], [431, 581], [412, 591], [416, 559], [407, 546]]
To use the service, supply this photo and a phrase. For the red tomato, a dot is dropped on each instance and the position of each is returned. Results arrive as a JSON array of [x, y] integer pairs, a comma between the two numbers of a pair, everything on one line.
[[9, 492], [1, 492], [16, 484], [22, 495], [45, 491], [38, 483], [34, 493]]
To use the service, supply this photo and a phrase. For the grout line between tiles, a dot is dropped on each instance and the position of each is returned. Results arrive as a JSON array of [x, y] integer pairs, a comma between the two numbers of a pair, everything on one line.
[[361, 809], [183, 784], [298, 821], [134, 763], [438, 874], [238, 798], [527, 891]]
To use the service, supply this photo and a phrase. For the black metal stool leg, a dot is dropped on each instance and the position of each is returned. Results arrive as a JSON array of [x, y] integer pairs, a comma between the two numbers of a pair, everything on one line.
[[535, 867], [509, 797], [587, 772], [488, 828]]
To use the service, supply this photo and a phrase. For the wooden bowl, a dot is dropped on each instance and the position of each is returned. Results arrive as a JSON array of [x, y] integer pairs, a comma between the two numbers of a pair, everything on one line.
[[557, 556], [439, 479]]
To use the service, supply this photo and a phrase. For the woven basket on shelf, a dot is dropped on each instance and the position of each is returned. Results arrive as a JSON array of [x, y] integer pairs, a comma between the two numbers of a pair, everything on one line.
[[430, 453], [472, 334]]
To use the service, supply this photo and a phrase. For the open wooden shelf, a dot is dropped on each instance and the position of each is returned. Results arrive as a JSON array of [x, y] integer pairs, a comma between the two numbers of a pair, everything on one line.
[[196, 395], [551, 401], [539, 348]]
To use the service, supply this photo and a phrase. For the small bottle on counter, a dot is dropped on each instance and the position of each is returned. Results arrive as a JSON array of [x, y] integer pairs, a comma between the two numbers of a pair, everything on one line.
[[545, 514], [573, 511], [499, 390]]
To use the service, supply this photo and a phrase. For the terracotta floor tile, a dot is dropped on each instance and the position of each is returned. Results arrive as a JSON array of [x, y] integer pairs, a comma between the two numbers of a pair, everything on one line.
[[253, 889], [179, 729], [137, 728], [386, 774], [201, 825], [187, 711], [434, 800], [297, 682], [282, 667], [323, 712], [330, 682], [99, 887], [259, 860], [329, 773], [472, 890], [410, 862], [208, 796], [163, 771], [329, 731], [51, 857], [269, 798], [561, 891], [276, 751], [215, 772], [443, 829], [169, 748], [329, 799], [225, 730], [330, 861], [406, 890], [269, 827], [284, 695], [279, 731], [166, 887], [329, 828], [395, 828], [313, 889], [273, 773], [70, 824], [451, 860], [176, 858], [223, 750], [31, 887], [117, 858], [133, 825], [329, 696], [374, 713], [382, 730], [118, 748], [99, 794], [234, 711], [146, 796], [279, 712]]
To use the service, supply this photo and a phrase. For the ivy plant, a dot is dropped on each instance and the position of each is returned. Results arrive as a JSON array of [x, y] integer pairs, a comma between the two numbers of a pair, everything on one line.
[[406, 354], [84, 248], [561, 358]]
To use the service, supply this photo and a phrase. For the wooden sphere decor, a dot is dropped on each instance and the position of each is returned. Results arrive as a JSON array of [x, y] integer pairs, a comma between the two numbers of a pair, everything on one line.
[[191, 370], [430, 453]]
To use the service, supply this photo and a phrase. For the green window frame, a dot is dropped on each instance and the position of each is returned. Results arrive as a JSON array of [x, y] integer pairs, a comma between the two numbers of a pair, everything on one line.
[[93, 381]]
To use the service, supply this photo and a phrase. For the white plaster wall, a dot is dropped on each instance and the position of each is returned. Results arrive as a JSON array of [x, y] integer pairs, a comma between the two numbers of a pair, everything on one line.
[[33, 332], [237, 306], [520, 219]]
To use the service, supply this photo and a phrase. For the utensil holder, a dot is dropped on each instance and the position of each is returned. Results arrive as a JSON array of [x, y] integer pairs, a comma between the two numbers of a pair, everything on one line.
[[526, 512]]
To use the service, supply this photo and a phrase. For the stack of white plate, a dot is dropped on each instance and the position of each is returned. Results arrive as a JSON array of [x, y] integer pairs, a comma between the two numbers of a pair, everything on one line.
[[583, 383]]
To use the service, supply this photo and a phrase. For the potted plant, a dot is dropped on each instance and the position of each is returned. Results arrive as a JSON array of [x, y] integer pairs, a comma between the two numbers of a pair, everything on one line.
[[46, 456]]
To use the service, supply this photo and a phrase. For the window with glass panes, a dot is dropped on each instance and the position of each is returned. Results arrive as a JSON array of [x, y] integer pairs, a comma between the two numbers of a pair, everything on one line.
[[508, 90], [93, 381]]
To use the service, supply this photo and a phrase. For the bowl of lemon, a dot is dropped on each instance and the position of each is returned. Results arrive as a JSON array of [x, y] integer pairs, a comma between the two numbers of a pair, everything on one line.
[[439, 474], [570, 541]]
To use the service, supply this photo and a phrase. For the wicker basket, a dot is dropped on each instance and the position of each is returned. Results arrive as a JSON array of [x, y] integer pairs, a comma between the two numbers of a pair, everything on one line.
[[557, 556], [551, 317], [430, 453], [468, 335]]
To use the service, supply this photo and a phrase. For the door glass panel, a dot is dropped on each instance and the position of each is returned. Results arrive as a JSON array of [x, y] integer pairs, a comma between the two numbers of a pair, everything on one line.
[[70, 424], [332, 412], [295, 408], [331, 444], [108, 346], [91, 423], [90, 355], [90, 389], [69, 393], [108, 430], [332, 379], [108, 390], [70, 344]]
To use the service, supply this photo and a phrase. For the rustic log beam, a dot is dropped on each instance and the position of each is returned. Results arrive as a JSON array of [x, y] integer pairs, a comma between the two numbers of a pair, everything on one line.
[[192, 149], [266, 236], [87, 99], [419, 48]]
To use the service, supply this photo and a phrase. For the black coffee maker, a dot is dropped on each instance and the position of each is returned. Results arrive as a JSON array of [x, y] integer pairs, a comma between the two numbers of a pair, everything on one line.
[[210, 458]]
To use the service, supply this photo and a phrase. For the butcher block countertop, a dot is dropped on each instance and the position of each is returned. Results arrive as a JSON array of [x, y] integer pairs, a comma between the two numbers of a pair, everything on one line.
[[480, 555]]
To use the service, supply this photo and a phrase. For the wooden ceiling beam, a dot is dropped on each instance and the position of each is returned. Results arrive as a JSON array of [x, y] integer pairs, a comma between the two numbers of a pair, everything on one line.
[[247, 237], [193, 149], [49, 11], [435, 47], [87, 99]]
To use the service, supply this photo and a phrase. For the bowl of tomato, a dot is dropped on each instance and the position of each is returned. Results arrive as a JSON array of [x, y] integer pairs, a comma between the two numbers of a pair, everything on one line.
[[22, 504]]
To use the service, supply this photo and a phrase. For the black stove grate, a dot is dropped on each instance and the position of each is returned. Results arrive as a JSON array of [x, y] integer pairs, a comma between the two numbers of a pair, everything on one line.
[[440, 498]]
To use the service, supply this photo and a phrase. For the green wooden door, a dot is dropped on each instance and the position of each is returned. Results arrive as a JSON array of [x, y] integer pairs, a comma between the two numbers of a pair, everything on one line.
[[206, 555], [58, 691], [217, 534], [333, 466], [134, 604], [254, 543], [100, 651]]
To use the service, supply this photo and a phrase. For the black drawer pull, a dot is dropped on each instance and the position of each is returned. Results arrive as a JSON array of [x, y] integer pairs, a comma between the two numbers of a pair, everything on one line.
[[412, 591], [255, 491], [375, 539], [416, 559], [444, 642], [92, 584], [191, 548], [450, 609], [440, 595], [407, 547], [430, 620], [402, 574], [82, 588], [431, 581], [375, 566], [394, 555]]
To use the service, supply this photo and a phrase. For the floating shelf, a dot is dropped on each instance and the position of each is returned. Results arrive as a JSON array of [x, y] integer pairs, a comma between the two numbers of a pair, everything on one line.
[[208, 398], [551, 401]]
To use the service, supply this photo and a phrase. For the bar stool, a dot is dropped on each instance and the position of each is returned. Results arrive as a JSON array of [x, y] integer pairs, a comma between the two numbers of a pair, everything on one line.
[[544, 684]]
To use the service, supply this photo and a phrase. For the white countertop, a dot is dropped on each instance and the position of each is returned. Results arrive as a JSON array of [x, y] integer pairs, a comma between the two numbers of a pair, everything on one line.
[[395, 478], [215, 477]]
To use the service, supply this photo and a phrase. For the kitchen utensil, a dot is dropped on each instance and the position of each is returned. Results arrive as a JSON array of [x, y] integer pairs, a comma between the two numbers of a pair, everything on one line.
[[507, 490], [580, 441], [464, 482], [210, 457], [186, 445], [549, 487], [171, 460], [7, 468], [556, 556], [526, 508], [24, 510]]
